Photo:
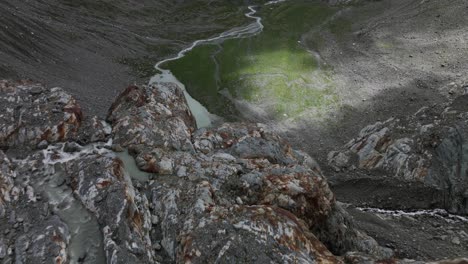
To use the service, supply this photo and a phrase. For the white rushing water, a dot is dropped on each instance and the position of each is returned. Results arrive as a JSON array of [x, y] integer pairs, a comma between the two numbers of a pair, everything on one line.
[[438, 213], [201, 114], [131, 167]]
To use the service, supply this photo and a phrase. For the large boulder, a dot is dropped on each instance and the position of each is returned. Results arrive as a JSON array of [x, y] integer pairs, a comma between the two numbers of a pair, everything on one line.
[[429, 147], [33, 116], [102, 185], [144, 119], [232, 181], [30, 232]]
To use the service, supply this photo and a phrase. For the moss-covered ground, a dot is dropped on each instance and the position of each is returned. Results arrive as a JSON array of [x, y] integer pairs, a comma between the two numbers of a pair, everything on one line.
[[272, 69]]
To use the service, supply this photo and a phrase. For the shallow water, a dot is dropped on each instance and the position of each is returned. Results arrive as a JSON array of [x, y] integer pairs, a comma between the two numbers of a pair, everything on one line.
[[131, 167], [86, 243]]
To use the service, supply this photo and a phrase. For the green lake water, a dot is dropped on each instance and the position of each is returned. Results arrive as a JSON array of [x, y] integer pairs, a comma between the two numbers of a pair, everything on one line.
[[273, 70]]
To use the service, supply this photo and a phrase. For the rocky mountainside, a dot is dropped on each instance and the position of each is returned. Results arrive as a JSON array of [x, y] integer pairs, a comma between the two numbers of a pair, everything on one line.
[[93, 174], [91, 47], [414, 164], [428, 147], [233, 193]]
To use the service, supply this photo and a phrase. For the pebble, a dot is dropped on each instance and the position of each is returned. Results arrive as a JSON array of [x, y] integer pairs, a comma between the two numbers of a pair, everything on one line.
[[463, 234], [157, 246], [456, 241], [12, 217], [443, 237], [154, 219], [117, 148], [43, 144]]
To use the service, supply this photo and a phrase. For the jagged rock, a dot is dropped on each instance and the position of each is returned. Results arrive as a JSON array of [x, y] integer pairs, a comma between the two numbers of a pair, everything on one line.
[[151, 121], [359, 258], [456, 241], [6, 181], [93, 130], [105, 189], [261, 234], [32, 115], [232, 193], [36, 237], [45, 243], [428, 147], [217, 167]]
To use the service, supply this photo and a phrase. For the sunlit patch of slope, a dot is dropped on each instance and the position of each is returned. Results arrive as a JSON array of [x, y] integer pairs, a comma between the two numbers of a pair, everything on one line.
[[271, 70]]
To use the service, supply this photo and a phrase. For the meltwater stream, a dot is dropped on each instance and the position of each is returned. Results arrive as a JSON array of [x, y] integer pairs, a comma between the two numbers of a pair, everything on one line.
[[201, 114], [86, 243], [437, 213]]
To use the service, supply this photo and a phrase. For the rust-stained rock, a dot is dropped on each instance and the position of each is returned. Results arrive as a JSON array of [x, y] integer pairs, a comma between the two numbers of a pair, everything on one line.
[[213, 182], [105, 189], [6, 181], [428, 147], [151, 117], [32, 116]]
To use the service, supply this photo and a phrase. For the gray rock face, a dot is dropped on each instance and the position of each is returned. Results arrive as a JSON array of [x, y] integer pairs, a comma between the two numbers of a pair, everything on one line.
[[150, 120], [429, 146], [46, 243], [105, 189], [6, 181], [33, 116], [30, 233], [234, 193], [226, 182]]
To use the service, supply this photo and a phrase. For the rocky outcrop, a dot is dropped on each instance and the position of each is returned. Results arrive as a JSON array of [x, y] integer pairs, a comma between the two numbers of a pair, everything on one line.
[[236, 181], [232, 193], [100, 182], [30, 232], [33, 117], [6, 181], [147, 121], [429, 147]]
